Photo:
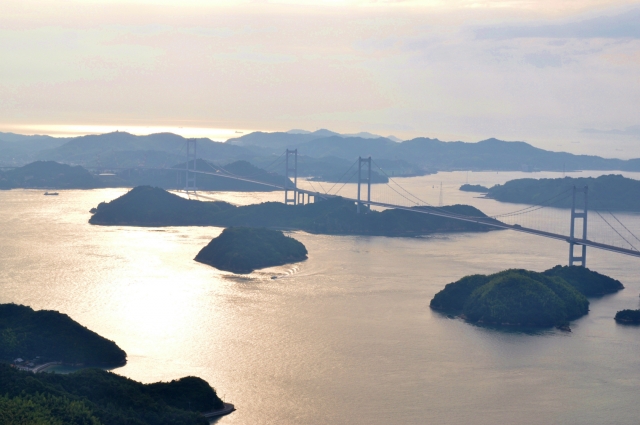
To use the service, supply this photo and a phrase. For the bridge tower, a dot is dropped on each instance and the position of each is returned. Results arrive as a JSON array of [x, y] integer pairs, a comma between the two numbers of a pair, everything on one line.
[[294, 170], [576, 215], [368, 162], [190, 178]]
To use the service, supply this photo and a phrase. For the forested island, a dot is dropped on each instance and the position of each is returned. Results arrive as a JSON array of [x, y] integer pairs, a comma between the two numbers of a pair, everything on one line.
[[628, 317], [88, 396], [243, 249], [610, 192], [525, 298], [53, 336], [94, 396], [148, 206], [474, 188]]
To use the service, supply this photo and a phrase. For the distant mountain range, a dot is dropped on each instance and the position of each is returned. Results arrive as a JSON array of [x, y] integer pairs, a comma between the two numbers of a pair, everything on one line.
[[321, 154]]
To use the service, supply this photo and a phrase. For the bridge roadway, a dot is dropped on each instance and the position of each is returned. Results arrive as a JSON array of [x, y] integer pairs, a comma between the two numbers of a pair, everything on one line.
[[434, 211]]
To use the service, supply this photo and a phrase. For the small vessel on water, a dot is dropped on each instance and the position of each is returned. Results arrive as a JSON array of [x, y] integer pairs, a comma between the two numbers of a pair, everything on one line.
[[51, 193]]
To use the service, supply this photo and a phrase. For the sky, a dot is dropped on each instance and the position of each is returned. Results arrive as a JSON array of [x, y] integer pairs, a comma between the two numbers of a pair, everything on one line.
[[561, 74]]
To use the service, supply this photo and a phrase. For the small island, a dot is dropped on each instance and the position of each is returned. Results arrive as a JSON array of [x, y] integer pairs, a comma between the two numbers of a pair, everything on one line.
[[525, 298], [474, 188], [628, 317], [243, 250]]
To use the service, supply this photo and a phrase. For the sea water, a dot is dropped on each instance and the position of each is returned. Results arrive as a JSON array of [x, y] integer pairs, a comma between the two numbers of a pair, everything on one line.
[[346, 337]]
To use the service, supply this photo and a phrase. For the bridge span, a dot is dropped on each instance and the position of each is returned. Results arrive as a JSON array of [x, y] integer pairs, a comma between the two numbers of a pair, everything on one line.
[[578, 214]]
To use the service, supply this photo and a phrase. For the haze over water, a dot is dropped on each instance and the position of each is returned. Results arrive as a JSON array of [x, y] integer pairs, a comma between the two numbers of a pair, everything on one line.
[[346, 337]]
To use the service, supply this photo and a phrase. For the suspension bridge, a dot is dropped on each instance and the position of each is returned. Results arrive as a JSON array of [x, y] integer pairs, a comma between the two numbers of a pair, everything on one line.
[[360, 173]]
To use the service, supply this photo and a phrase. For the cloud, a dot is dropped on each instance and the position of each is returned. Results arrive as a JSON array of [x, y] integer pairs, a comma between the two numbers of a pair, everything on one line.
[[634, 130], [626, 25], [543, 59]]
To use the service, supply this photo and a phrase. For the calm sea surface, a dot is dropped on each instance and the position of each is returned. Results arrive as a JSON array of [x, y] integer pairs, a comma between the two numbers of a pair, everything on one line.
[[346, 337]]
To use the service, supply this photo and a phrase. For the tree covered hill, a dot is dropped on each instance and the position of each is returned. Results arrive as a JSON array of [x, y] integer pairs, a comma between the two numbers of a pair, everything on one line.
[[97, 397], [243, 249], [524, 298], [610, 192], [147, 206], [54, 336]]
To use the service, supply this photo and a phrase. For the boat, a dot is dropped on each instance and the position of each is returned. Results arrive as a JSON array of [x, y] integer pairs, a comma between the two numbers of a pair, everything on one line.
[[51, 193]]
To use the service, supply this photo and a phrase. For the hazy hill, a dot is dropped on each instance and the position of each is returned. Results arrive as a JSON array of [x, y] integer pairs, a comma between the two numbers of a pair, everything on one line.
[[278, 140], [87, 149], [610, 192], [49, 174], [123, 150], [490, 154], [16, 149]]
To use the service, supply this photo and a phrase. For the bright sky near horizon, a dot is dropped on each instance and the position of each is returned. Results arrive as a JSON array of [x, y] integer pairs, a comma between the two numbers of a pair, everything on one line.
[[553, 73]]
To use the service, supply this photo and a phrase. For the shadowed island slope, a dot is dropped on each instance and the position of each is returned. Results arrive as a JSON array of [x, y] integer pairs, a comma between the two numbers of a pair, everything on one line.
[[244, 249], [53, 336], [524, 298], [148, 206]]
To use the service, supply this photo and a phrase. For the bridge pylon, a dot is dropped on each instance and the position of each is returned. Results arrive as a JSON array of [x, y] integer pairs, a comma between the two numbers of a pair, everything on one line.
[[368, 180], [190, 178], [572, 239], [294, 170]]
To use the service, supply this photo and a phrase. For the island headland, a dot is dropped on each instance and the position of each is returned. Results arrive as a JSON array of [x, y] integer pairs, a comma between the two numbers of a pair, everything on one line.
[[243, 250], [525, 298], [31, 340], [606, 193], [53, 336], [149, 206], [628, 317]]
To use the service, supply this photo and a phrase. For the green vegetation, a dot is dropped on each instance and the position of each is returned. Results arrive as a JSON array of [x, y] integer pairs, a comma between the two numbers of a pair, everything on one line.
[[242, 250], [52, 336], [48, 174], [147, 206], [588, 282], [524, 298], [631, 317], [474, 188], [606, 193], [94, 396]]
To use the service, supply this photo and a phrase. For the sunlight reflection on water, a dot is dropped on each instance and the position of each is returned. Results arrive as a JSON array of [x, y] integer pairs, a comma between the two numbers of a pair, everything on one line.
[[345, 337]]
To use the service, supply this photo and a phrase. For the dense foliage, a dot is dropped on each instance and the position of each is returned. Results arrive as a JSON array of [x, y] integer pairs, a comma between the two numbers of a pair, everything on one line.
[[147, 206], [610, 192], [589, 283], [628, 316], [243, 249], [53, 336], [474, 188], [48, 174], [526, 298], [94, 396]]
